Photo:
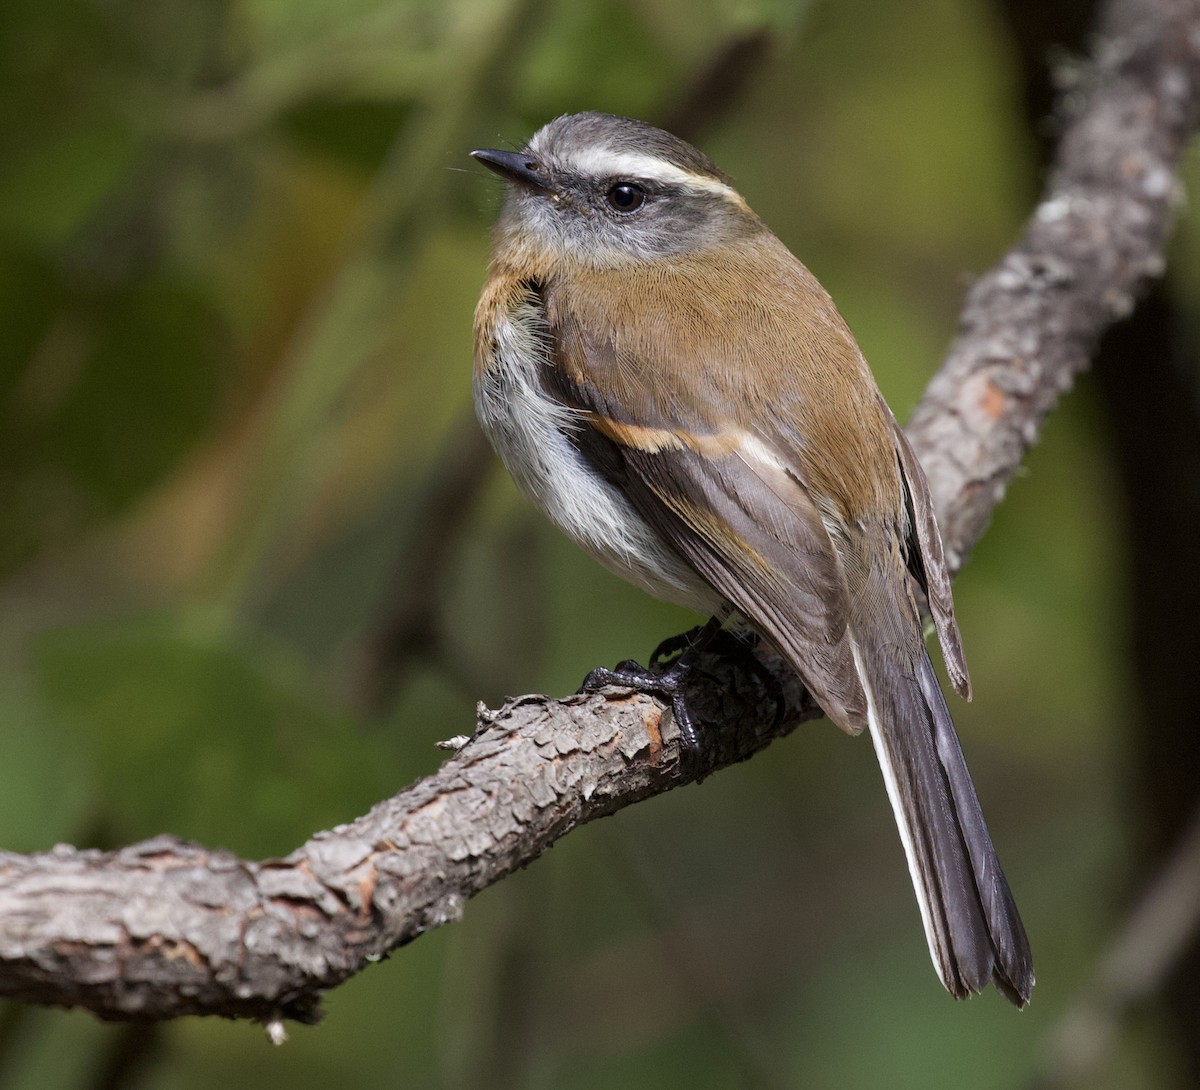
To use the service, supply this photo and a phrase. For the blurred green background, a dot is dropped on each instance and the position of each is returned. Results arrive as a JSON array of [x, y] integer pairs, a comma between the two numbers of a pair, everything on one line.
[[254, 559]]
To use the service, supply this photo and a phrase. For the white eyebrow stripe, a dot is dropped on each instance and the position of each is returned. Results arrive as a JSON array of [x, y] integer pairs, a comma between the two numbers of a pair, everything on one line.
[[634, 164]]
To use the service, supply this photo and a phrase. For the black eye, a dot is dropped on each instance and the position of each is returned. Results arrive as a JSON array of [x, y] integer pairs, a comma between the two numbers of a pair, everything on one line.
[[625, 197]]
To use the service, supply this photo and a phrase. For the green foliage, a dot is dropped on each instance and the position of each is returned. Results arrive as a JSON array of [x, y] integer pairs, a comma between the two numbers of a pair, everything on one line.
[[204, 735], [239, 250]]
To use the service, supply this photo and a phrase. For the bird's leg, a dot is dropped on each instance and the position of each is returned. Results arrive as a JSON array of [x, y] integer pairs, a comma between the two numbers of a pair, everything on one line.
[[674, 645], [741, 646], [665, 683], [738, 646]]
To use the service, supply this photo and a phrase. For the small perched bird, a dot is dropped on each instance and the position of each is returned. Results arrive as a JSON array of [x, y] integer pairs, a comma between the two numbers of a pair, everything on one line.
[[680, 396]]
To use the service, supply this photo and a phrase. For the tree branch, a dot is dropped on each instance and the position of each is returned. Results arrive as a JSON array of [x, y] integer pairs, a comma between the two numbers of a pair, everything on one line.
[[1030, 326], [165, 928]]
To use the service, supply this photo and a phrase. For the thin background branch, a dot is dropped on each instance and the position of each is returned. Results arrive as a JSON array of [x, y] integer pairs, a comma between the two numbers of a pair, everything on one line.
[[1163, 923], [166, 928]]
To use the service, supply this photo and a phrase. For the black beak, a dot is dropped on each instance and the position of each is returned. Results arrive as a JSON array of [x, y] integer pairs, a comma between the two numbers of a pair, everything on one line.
[[514, 166]]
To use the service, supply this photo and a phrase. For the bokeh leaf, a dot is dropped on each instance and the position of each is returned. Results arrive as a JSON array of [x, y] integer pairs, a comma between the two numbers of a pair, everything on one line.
[[193, 731]]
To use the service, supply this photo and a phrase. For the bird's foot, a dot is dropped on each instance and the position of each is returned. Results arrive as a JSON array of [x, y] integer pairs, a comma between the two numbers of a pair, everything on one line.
[[665, 681], [666, 684], [737, 646]]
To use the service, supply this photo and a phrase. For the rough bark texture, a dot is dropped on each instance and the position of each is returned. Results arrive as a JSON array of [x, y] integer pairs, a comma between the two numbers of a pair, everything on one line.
[[166, 928], [1146, 371]]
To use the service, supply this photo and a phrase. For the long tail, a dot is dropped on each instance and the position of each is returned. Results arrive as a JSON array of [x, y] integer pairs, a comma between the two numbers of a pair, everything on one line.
[[971, 921]]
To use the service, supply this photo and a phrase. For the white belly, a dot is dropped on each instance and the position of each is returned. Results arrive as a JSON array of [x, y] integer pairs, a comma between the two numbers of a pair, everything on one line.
[[530, 432]]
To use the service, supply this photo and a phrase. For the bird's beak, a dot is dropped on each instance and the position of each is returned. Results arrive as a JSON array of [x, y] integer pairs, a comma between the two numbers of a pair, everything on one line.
[[515, 166]]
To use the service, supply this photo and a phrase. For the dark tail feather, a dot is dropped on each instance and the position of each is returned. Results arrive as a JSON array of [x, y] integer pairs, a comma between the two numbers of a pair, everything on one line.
[[972, 924]]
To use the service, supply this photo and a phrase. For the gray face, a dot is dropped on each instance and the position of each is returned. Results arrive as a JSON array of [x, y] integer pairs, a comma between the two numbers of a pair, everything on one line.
[[608, 190]]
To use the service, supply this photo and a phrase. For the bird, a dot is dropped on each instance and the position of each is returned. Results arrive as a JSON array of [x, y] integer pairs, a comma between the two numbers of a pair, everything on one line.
[[678, 394]]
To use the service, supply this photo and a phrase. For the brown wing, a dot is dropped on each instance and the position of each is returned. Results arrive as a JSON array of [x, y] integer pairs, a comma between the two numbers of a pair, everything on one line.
[[737, 512], [931, 562]]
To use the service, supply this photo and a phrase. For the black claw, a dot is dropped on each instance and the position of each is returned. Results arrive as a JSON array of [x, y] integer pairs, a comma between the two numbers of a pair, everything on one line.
[[664, 679], [676, 645], [629, 675], [666, 685], [666, 682], [596, 679], [690, 746]]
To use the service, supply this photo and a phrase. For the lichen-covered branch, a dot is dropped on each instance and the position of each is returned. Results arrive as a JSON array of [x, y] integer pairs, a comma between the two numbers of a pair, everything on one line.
[[166, 928]]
